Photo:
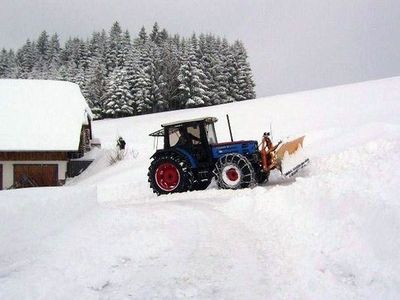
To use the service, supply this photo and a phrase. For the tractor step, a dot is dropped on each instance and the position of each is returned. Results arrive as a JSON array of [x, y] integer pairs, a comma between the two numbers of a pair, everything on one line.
[[293, 171]]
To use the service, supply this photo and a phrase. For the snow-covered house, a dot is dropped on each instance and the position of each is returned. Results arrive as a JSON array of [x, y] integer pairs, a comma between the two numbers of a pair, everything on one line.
[[43, 126]]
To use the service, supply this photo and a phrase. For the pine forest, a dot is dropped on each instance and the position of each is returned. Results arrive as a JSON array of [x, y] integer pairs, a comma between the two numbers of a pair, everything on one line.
[[122, 76]]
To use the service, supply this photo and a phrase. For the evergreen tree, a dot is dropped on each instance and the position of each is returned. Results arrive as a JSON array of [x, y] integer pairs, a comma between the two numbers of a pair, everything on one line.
[[169, 69], [220, 91], [4, 64], [118, 99], [114, 48], [41, 65], [244, 77], [152, 66], [96, 86], [142, 92], [228, 81], [142, 35], [163, 36], [25, 60], [12, 65], [192, 90], [155, 34], [125, 49], [54, 57]]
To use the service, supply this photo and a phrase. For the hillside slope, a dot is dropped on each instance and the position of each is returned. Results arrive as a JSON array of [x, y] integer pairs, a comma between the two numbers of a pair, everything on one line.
[[333, 232]]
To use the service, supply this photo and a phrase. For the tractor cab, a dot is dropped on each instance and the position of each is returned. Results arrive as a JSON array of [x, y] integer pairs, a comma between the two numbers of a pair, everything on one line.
[[190, 136], [188, 133]]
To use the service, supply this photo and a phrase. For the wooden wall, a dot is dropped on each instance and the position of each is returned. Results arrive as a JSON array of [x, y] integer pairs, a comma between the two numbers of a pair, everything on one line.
[[33, 156]]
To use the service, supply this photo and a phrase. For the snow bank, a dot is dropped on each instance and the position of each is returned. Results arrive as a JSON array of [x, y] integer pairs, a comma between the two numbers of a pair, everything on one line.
[[29, 215]]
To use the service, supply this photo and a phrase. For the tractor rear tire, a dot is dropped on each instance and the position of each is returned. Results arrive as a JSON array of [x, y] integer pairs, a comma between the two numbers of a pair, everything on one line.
[[234, 171], [170, 173]]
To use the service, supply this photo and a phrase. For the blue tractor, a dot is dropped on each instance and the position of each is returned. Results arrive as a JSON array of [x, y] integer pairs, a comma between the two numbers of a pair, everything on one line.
[[192, 156]]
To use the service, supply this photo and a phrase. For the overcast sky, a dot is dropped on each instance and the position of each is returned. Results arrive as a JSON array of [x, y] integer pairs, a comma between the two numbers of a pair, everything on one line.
[[292, 44]]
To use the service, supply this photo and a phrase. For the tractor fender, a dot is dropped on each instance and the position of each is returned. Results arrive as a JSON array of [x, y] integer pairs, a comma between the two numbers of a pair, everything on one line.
[[180, 151]]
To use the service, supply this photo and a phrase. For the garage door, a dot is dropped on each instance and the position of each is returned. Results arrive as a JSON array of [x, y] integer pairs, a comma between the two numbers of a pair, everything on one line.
[[35, 175]]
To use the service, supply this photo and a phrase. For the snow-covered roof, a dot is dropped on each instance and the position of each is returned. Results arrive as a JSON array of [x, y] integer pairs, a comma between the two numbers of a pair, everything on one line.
[[41, 115]]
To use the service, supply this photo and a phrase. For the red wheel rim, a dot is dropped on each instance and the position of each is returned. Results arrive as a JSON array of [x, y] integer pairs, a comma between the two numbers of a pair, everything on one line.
[[232, 174], [167, 177]]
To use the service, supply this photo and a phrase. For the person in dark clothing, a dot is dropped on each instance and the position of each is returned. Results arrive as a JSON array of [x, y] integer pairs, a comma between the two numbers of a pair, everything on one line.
[[186, 138], [121, 143]]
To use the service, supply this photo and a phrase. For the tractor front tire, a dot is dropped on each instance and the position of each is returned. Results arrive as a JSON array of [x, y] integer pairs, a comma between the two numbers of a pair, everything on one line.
[[170, 173], [261, 176], [234, 171]]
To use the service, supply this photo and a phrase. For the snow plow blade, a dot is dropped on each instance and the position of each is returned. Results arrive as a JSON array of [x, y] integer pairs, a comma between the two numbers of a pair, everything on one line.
[[297, 168], [291, 157], [290, 147]]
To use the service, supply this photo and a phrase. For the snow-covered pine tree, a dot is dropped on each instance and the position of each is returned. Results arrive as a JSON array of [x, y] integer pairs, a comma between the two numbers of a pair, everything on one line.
[[211, 62], [74, 53], [79, 79], [192, 91], [54, 57], [25, 59], [155, 34], [5, 69], [142, 85], [206, 63], [131, 66], [114, 48], [8, 64], [12, 64], [118, 98], [41, 65], [83, 56], [157, 83], [169, 69], [163, 36], [96, 86], [126, 48], [97, 46], [142, 35], [230, 71], [219, 73], [244, 75]]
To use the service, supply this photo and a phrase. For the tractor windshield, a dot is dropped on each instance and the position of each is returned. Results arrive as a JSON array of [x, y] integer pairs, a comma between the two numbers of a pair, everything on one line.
[[211, 136], [184, 136]]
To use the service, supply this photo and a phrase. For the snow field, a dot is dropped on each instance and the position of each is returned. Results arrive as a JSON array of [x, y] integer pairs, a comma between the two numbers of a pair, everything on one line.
[[333, 232]]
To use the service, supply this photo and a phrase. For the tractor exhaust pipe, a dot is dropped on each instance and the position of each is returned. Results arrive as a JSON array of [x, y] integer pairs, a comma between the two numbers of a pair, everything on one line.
[[229, 125]]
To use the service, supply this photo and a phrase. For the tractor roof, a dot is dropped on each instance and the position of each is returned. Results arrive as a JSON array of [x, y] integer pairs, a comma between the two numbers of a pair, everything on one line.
[[160, 132], [205, 119]]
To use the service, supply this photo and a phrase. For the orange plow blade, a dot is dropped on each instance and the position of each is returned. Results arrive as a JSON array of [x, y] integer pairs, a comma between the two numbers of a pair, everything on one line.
[[290, 147], [291, 158]]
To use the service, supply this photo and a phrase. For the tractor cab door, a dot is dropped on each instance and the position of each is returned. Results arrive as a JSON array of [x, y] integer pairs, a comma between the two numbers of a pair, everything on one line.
[[210, 134]]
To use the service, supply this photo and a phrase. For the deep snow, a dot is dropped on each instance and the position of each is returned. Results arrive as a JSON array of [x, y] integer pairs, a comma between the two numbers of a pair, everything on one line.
[[333, 232]]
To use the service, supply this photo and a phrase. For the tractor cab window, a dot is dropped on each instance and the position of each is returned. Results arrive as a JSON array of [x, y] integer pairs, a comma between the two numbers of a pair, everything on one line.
[[194, 134], [211, 136], [184, 136], [173, 136]]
